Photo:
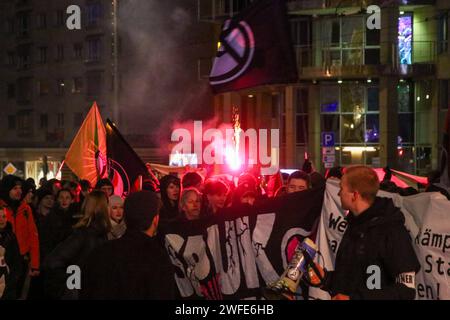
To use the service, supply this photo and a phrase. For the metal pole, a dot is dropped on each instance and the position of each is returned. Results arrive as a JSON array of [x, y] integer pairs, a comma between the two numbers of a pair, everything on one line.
[[115, 64]]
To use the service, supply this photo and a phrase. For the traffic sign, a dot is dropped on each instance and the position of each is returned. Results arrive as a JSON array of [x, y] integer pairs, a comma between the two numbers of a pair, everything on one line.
[[328, 139], [328, 165], [10, 169], [329, 158], [328, 151]]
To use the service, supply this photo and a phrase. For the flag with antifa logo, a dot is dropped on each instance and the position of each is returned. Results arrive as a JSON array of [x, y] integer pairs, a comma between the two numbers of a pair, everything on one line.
[[87, 153], [254, 49], [242, 249], [127, 172]]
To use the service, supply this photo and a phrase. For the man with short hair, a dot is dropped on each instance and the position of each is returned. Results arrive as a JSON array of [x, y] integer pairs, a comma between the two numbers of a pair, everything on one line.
[[298, 181], [136, 266], [375, 239]]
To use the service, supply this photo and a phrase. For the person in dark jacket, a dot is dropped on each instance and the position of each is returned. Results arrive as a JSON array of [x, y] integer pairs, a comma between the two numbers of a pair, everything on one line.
[[88, 234], [61, 219], [216, 193], [135, 266], [375, 239], [10, 260], [170, 195]]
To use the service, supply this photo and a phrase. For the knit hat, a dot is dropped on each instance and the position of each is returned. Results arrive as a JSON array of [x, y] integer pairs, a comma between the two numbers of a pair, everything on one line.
[[115, 200], [7, 183], [242, 190], [27, 186], [139, 210], [42, 193]]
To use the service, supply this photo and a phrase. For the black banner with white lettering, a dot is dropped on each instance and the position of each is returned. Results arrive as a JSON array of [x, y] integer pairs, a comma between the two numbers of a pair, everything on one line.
[[236, 253]]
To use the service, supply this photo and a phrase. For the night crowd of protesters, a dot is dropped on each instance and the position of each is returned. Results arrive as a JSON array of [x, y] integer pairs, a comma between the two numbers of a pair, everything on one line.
[[46, 228]]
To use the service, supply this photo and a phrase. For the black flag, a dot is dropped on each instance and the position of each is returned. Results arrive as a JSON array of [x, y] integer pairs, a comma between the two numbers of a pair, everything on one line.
[[126, 170], [255, 49]]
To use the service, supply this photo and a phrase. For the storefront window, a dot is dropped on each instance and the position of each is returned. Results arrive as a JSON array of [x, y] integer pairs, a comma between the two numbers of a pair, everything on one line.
[[355, 124], [352, 98], [330, 98]]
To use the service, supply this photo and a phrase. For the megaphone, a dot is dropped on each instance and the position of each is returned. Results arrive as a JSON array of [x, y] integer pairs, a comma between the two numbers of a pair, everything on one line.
[[285, 288]]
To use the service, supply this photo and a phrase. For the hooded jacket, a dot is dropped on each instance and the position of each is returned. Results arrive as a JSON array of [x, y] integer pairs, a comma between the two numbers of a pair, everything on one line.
[[20, 215], [376, 237]]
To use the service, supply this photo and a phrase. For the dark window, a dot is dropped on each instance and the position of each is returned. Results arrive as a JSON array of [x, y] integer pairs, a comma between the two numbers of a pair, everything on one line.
[[43, 55], [11, 91], [42, 21], [335, 34], [302, 101], [302, 129], [78, 50], [77, 85], [43, 87], [59, 18], [94, 14], [24, 55], [443, 33], [276, 106], [23, 23], [25, 123], [94, 84], [44, 121], [11, 122], [11, 59], [372, 56], [77, 119], [60, 87], [60, 52], [372, 37], [60, 117], [94, 49], [406, 127], [10, 26], [372, 128], [24, 90], [373, 99]]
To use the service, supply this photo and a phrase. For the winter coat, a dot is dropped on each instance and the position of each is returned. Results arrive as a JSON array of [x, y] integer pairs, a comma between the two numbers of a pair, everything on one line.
[[72, 251], [376, 237], [135, 266], [24, 228]]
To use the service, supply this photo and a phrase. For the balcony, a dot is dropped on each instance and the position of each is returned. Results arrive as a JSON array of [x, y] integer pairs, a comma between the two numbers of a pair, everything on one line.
[[324, 62], [337, 5], [219, 10]]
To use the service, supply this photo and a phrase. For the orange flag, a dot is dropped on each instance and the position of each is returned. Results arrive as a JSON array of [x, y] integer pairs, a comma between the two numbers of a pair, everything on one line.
[[87, 154]]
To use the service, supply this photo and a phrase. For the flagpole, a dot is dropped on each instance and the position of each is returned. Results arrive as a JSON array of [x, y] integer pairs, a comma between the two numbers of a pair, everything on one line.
[[115, 63]]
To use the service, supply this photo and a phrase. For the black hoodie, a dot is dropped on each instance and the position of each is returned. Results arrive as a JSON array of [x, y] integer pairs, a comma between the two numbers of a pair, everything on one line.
[[376, 237]]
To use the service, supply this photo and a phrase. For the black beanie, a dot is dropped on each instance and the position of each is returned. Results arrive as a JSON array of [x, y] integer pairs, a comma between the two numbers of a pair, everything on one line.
[[7, 184], [139, 210]]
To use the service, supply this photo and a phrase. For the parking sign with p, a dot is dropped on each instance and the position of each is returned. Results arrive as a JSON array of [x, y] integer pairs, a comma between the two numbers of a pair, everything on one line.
[[328, 139]]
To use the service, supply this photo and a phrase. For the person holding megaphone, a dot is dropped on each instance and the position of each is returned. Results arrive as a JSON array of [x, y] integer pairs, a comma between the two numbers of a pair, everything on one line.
[[375, 259]]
